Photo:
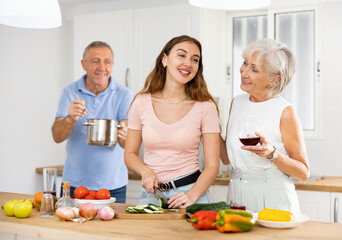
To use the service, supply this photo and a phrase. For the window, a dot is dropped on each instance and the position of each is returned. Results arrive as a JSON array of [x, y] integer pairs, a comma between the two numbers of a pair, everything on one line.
[[296, 28]]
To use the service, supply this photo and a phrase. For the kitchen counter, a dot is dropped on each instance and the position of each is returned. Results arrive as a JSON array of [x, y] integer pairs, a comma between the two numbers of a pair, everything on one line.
[[53, 228], [327, 184]]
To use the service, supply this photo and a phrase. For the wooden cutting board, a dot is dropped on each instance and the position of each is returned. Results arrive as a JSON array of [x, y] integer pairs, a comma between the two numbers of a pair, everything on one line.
[[120, 212]]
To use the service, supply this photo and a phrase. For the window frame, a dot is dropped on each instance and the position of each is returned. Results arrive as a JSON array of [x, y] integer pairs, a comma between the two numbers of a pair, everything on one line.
[[316, 133]]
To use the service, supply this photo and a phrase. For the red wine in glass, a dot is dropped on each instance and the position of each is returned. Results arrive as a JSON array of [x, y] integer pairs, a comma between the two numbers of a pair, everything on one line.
[[252, 141], [238, 206]]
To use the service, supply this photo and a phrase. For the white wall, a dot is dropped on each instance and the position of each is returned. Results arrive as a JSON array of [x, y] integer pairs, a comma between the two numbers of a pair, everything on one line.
[[31, 70]]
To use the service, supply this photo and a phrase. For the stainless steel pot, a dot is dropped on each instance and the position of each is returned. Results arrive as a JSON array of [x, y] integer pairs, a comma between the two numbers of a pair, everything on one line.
[[101, 132]]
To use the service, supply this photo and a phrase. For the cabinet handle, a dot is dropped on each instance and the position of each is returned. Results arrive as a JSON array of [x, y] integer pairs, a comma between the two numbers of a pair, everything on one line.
[[126, 77], [336, 210]]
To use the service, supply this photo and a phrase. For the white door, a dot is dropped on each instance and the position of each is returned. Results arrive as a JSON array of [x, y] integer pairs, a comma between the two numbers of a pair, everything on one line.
[[315, 204], [115, 28], [336, 207], [153, 28]]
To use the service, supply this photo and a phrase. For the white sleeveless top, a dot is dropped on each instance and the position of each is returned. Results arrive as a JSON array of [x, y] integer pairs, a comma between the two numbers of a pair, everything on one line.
[[267, 114]]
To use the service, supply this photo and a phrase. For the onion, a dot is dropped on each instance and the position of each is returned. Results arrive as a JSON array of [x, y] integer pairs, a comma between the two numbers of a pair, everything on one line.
[[65, 213], [106, 213], [88, 211], [77, 211]]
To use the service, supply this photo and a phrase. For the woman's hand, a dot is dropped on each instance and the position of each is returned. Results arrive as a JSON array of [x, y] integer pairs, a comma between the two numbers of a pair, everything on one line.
[[149, 180], [264, 149], [180, 200]]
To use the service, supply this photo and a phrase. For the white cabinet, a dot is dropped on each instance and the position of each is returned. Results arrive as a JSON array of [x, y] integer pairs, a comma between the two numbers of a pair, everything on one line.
[[138, 35], [321, 206], [315, 204], [133, 191], [218, 193], [336, 207], [115, 28], [153, 28]]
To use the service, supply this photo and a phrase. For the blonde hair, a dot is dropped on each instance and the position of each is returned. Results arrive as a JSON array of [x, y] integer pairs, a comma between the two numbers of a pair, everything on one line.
[[276, 58]]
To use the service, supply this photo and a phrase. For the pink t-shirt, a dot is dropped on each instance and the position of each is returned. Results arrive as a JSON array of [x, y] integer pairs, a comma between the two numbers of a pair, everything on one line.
[[172, 150]]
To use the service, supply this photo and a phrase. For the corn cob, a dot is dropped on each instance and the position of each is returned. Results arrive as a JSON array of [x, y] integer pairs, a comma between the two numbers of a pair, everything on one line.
[[269, 214]]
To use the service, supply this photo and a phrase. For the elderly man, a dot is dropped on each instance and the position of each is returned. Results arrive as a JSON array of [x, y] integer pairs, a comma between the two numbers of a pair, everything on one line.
[[94, 167]]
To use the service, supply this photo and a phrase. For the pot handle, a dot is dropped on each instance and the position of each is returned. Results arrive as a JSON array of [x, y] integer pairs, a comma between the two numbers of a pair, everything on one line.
[[87, 124]]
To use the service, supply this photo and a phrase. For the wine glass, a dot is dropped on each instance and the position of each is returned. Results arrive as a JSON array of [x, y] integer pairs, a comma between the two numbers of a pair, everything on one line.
[[237, 194], [247, 128]]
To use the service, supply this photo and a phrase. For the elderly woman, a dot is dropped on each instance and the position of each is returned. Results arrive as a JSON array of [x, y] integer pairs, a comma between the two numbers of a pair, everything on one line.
[[267, 69]]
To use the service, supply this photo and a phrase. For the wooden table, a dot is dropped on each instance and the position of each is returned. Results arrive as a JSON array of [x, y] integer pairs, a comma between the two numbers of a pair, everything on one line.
[[53, 228]]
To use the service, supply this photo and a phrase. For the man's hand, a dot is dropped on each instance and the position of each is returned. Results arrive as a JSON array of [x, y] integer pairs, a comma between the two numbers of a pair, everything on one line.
[[77, 109], [122, 133]]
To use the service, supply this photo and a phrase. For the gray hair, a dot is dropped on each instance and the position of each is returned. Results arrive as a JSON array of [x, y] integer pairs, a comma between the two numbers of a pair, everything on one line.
[[96, 44], [277, 59]]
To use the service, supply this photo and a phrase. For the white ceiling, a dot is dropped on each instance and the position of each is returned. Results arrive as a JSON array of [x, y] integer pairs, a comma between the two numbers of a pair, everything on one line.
[[75, 2]]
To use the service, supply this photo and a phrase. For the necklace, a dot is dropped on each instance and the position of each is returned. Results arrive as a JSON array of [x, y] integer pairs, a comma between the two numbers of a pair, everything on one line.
[[172, 102]]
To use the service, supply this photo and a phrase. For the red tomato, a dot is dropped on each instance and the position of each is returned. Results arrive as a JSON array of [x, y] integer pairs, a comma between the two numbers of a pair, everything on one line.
[[103, 194], [90, 197], [92, 193], [81, 192]]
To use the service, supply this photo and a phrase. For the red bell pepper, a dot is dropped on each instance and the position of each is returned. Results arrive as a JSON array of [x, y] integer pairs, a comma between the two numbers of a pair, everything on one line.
[[203, 220]]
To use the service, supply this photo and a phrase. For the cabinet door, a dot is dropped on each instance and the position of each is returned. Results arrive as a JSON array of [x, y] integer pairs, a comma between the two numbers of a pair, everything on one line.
[[218, 193], [315, 204], [153, 28], [115, 28], [133, 191], [336, 207]]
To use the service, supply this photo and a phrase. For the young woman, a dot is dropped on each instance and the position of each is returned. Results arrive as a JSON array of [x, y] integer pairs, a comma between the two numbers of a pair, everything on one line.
[[170, 116]]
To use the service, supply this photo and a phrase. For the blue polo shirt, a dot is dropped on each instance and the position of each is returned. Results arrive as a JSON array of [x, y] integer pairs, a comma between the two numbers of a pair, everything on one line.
[[95, 167]]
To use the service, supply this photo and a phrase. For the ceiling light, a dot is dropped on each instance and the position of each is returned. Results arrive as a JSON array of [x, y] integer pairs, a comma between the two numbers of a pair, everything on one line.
[[30, 13], [230, 4]]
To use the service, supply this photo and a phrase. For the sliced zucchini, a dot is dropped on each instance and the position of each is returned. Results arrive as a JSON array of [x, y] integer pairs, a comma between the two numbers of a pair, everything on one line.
[[142, 206], [148, 210], [173, 210], [154, 208], [158, 212]]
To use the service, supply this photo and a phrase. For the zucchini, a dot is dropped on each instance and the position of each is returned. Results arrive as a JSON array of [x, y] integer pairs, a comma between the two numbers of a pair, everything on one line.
[[207, 207], [163, 204]]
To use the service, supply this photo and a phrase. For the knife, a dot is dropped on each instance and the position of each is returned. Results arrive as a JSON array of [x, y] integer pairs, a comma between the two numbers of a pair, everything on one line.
[[159, 194]]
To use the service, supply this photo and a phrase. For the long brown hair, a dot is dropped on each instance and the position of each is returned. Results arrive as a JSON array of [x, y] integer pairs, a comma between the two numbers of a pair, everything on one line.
[[196, 89]]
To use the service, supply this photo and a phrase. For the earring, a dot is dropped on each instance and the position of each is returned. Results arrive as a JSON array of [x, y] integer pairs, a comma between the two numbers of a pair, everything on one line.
[[269, 85]]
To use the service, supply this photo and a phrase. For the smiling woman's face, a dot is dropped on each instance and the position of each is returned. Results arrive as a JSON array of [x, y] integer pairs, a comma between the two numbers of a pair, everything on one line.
[[182, 63], [254, 79]]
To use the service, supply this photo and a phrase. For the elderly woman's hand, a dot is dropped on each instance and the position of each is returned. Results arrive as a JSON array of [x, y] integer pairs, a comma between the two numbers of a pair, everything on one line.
[[264, 149]]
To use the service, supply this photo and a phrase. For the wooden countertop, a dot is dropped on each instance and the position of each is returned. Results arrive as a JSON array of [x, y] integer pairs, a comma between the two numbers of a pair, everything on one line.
[[327, 184], [53, 228]]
